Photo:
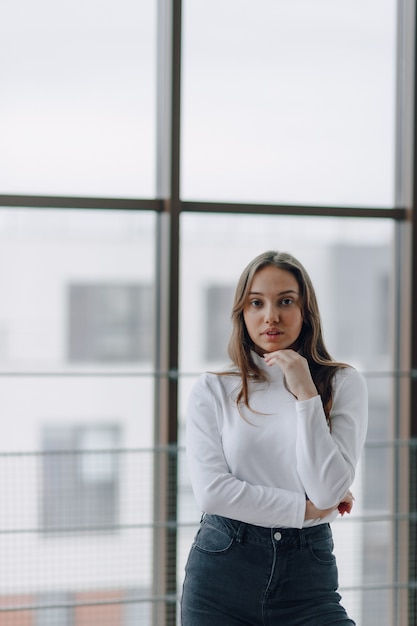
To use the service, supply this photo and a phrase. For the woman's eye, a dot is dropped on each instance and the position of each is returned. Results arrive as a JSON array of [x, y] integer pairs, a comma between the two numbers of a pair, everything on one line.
[[287, 301], [256, 303]]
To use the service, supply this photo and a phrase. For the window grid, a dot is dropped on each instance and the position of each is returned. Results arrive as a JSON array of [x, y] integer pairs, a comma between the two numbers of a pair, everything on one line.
[[15, 614]]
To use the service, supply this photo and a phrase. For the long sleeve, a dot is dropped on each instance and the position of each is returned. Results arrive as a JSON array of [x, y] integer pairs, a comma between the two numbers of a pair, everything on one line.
[[216, 489], [258, 466], [326, 460]]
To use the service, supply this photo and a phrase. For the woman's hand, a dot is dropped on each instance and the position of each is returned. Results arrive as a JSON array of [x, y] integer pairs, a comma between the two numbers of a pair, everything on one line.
[[344, 506], [313, 512], [296, 371]]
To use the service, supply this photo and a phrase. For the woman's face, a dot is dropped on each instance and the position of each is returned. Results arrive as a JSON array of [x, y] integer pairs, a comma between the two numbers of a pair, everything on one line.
[[272, 312]]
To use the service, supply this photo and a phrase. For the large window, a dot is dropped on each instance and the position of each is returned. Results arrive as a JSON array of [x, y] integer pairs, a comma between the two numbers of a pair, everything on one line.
[[150, 149]]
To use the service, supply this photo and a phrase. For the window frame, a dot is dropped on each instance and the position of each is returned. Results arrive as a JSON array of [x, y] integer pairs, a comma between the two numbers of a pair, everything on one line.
[[168, 206]]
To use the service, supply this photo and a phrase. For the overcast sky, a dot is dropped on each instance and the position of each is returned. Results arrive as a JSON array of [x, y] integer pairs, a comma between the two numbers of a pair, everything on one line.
[[284, 101]]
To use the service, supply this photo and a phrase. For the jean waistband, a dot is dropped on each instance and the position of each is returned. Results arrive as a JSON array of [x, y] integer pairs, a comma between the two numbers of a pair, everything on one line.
[[242, 532]]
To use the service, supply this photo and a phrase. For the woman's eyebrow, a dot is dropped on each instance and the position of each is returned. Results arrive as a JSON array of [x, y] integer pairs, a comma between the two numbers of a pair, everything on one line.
[[281, 293]]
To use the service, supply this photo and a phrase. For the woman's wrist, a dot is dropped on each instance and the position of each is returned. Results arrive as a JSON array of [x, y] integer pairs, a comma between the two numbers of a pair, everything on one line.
[[307, 394]]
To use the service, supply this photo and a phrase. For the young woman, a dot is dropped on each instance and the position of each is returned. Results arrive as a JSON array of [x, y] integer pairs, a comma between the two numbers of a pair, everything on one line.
[[272, 446]]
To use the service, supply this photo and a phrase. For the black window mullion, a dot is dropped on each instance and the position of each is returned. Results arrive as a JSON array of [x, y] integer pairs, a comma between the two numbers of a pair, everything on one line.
[[167, 322]]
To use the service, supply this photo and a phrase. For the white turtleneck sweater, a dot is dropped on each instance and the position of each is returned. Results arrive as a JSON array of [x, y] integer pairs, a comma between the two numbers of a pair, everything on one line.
[[260, 469]]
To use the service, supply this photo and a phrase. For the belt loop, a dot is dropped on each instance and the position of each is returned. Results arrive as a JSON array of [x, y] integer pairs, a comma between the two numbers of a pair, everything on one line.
[[241, 532], [302, 537]]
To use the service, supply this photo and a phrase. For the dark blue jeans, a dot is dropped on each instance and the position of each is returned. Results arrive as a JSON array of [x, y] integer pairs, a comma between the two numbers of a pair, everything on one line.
[[243, 575]]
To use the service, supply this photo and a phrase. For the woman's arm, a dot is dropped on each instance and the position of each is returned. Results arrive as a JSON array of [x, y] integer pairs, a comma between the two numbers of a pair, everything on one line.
[[215, 489], [327, 459], [345, 506]]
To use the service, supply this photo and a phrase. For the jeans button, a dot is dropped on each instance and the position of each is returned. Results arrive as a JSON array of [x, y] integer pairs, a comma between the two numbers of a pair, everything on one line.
[[277, 536]]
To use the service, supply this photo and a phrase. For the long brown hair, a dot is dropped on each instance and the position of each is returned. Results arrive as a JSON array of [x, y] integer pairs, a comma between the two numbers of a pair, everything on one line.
[[311, 344]]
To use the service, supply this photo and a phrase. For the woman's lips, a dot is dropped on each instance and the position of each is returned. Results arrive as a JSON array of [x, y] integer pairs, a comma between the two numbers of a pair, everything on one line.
[[272, 335]]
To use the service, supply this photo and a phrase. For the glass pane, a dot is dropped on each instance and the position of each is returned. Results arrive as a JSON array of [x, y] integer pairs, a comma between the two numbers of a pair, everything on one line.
[[289, 102], [76, 289], [78, 443], [77, 112], [88, 544], [350, 263]]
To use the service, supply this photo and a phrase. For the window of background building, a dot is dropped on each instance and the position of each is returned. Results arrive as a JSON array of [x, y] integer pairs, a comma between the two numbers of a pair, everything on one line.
[[361, 277], [110, 322], [80, 487], [218, 307], [62, 615]]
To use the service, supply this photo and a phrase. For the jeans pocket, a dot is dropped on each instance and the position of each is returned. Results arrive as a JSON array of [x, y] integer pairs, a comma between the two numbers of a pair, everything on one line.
[[322, 552], [212, 540]]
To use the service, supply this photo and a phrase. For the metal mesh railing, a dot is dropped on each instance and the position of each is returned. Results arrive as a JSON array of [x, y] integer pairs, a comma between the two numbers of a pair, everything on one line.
[[76, 534], [77, 529]]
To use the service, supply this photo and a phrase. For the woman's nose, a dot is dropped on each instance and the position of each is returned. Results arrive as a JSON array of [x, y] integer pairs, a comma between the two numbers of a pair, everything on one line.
[[271, 314]]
